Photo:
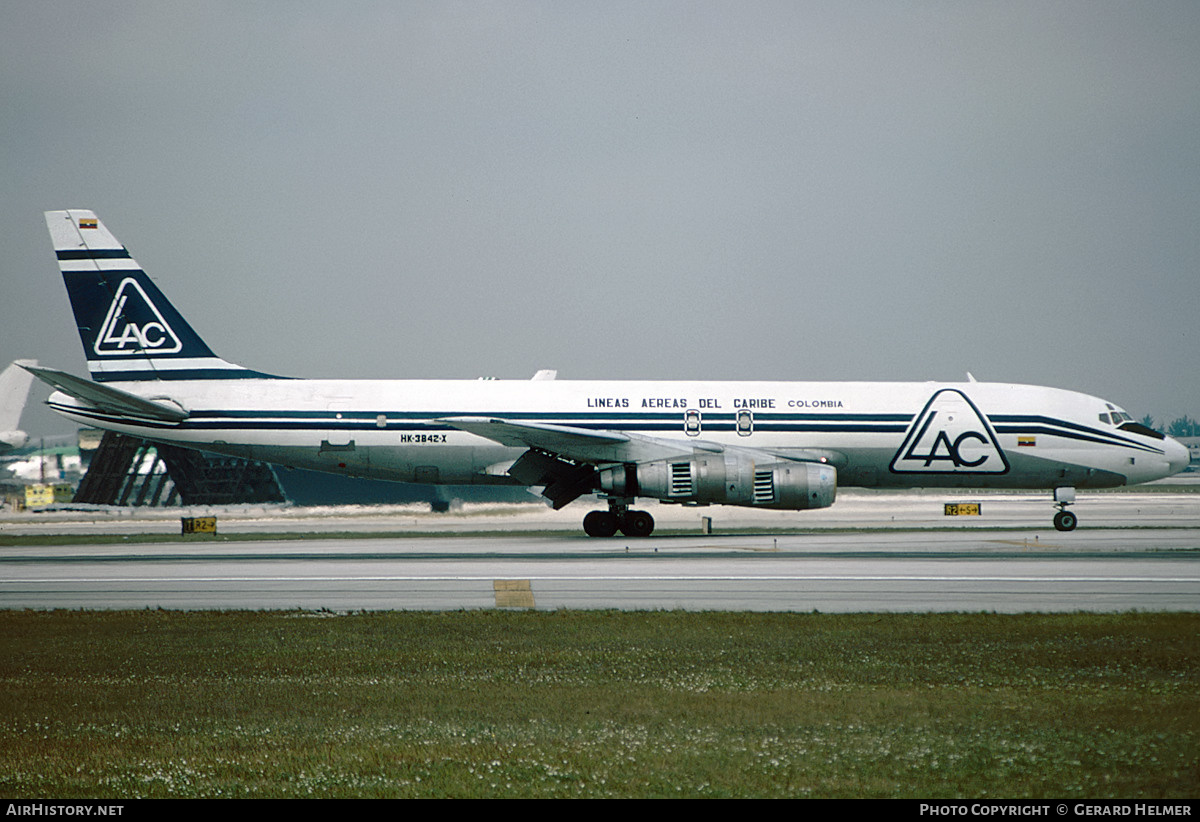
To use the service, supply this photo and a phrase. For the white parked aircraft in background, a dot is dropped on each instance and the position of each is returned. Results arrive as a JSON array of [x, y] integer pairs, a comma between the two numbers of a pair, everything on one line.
[[784, 445], [14, 389]]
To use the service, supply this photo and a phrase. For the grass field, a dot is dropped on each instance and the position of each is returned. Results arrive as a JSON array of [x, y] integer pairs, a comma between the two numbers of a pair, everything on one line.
[[582, 704]]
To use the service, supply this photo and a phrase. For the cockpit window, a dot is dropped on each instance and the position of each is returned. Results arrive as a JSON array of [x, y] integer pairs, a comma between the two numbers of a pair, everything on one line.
[[1138, 428]]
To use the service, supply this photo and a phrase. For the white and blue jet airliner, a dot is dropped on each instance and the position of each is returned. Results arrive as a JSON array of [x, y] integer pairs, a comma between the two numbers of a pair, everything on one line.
[[782, 445]]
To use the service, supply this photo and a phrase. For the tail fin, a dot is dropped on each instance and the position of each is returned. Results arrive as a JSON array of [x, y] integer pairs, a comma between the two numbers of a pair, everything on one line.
[[14, 389], [129, 330]]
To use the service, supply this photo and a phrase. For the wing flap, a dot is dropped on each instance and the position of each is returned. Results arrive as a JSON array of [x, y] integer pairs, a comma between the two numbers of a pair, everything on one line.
[[561, 481]]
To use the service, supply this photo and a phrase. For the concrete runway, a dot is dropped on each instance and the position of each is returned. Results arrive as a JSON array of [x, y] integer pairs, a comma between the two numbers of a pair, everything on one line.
[[1002, 571], [951, 564], [855, 508]]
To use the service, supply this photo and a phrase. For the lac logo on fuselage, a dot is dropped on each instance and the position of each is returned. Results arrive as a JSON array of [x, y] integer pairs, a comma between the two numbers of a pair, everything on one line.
[[950, 436]]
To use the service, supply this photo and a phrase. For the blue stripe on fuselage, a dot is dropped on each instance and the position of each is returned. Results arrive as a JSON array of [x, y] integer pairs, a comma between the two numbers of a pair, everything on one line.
[[665, 422], [1036, 424]]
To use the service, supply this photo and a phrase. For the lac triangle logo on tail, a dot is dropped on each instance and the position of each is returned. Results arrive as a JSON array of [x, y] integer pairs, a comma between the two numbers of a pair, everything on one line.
[[950, 437], [134, 326]]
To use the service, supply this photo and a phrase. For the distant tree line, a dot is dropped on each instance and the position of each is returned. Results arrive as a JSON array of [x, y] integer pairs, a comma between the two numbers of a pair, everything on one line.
[[1184, 426]]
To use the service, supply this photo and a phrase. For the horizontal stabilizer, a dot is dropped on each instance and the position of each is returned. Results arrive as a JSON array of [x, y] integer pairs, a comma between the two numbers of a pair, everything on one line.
[[107, 398]]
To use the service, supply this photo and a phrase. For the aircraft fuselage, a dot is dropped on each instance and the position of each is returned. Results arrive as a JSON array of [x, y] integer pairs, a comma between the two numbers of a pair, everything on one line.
[[900, 434]]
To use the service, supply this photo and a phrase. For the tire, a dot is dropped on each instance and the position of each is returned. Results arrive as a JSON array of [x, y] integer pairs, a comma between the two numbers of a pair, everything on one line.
[[637, 524], [1065, 521], [600, 524]]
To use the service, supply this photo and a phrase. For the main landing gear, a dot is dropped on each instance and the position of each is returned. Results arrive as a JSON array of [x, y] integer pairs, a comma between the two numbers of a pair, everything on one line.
[[618, 517], [1064, 520]]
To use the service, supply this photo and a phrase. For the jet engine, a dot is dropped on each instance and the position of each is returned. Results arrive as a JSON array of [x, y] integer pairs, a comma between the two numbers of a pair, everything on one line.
[[726, 479]]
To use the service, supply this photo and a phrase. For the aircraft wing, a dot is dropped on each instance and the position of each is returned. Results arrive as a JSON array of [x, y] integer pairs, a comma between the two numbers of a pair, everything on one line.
[[564, 458], [601, 446], [106, 398], [579, 444]]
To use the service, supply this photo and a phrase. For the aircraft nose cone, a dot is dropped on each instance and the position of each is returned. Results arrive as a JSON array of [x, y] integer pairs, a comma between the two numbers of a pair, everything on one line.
[[1177, 455]]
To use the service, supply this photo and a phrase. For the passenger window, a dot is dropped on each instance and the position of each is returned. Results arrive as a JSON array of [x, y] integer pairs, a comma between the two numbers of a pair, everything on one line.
[[745, 422]]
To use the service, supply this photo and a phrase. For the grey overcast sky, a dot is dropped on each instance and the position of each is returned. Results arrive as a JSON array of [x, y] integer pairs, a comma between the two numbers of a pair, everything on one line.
[[677, 190]]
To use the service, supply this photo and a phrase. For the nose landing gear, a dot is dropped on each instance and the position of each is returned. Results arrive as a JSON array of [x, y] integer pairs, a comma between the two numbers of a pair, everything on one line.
[[1064, 520]]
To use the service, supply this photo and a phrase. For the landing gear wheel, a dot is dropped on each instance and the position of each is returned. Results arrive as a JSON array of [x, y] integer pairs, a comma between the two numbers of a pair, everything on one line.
[[600, 524], [637, 524], [1065, 521]]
